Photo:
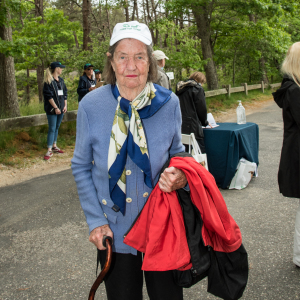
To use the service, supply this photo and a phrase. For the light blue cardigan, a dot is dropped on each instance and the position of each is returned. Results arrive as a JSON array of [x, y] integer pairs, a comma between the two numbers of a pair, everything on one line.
[[89, 165]]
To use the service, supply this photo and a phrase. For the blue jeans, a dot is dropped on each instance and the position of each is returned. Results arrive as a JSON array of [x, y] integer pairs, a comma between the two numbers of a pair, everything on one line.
[[54, 123]]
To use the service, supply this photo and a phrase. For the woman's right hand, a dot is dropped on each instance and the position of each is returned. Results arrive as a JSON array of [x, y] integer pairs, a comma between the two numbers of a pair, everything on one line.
[[97, 234], [57, 111]]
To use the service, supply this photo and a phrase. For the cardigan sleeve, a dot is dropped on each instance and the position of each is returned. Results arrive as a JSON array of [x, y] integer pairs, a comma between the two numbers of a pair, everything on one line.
[[82, 171]]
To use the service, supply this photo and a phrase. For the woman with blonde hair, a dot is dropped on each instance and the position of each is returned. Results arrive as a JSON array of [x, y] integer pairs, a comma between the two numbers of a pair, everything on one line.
[[55, 104], [287, 98]]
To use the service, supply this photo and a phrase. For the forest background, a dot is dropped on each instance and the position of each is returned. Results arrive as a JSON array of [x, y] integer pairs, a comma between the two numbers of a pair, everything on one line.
[[231, 41]]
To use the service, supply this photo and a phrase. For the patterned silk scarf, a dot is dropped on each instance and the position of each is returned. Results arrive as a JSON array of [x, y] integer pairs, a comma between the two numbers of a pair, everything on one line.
[[128, 137]]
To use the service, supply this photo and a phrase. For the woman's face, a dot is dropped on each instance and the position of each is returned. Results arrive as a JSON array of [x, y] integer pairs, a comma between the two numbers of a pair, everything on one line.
[[58, 70], [98, 76], [131, 65], [88, 72]]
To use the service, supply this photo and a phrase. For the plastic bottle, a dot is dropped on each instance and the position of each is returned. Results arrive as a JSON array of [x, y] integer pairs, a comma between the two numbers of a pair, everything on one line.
[[240, 113]]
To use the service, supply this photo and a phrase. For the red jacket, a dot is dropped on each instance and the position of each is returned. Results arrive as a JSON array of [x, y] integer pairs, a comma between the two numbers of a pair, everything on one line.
[[159, 231]]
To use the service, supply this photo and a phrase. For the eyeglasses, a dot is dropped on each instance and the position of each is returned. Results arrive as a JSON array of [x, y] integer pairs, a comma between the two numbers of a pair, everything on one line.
[[124, 59]]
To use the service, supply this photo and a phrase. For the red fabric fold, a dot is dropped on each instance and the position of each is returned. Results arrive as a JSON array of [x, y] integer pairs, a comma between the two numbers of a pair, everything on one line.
[[159, 231]]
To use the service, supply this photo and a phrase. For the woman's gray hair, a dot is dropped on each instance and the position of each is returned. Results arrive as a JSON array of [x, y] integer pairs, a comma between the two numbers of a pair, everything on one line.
[[109, 73]]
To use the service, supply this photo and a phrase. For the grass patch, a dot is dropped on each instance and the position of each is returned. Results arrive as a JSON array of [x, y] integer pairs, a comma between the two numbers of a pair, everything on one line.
[[35, 107], [21, 147]]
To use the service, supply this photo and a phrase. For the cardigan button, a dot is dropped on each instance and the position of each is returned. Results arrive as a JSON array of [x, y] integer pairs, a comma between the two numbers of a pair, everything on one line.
[[105, 215], [104, 202], [128, 172], [128, 200], [145, 195]]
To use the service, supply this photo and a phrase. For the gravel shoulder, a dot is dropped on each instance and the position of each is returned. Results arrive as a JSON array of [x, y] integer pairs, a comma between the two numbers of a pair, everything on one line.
[[59, 162]]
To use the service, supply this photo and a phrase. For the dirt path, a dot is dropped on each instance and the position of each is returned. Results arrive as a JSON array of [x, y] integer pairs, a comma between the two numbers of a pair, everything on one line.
[[60, 162]]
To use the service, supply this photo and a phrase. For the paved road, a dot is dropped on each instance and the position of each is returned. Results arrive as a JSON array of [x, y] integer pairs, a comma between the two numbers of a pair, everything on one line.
[[45, 253]]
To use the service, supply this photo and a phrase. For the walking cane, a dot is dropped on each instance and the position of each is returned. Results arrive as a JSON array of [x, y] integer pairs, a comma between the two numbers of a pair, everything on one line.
[[107, 242]]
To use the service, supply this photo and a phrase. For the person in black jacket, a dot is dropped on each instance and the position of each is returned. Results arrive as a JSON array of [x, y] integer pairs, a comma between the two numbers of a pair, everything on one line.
[[193, 106], [55, 104], [287, 98], [86, 81]]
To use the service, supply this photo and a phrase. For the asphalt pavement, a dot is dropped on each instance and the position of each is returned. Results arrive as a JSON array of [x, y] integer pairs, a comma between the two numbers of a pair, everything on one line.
[[45, 252]]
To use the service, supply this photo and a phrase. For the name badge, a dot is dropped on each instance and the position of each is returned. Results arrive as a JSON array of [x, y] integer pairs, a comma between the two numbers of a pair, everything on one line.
[[60, 92], [93, 85]]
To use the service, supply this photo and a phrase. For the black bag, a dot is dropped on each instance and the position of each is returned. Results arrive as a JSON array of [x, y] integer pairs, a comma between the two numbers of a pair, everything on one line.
[[227, 272]]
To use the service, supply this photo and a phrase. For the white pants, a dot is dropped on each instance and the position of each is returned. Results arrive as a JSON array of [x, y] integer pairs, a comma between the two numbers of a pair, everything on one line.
[[296, 258]]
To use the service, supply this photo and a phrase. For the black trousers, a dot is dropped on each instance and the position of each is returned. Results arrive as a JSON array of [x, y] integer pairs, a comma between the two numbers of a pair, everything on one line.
[[124, 280]]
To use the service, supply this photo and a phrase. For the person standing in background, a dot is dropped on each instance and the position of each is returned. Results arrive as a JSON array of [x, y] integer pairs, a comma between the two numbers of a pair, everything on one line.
[[86, 81], [193, 106], [162, 78], [98, 74], [287, 98], [55, 104]]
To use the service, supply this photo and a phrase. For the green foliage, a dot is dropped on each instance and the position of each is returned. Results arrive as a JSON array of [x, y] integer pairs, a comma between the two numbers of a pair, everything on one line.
[[182, 49], [41, 41], [6, 7], [77, 58], [249, 38]]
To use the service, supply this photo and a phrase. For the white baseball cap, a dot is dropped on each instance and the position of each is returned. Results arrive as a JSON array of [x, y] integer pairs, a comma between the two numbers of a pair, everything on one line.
[[158, 55], [134, 30]]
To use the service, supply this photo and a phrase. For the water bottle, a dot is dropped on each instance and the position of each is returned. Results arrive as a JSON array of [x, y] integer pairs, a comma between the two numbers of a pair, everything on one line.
[[240, 113]]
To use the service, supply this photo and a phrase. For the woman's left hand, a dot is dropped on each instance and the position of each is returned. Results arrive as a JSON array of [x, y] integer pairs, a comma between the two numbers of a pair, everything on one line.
[[65, 109], [172, 179]]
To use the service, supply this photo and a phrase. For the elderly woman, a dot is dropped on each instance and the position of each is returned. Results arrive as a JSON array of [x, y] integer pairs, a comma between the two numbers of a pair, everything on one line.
[[126, 131], [288, 99]]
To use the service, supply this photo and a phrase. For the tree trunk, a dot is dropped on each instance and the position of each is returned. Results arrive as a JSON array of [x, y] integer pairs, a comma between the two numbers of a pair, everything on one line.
[[149, 19], [204, 33], [264, 75], [155, 19], [40, 80], [108, 22], [135, 9], [9, 106], [28, 88], [233, 69], [39, 9], [76, 39], [86, 10], [39, 12], [126, 5]]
